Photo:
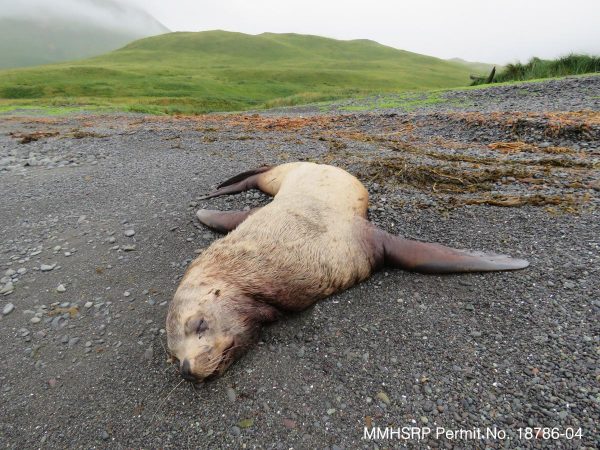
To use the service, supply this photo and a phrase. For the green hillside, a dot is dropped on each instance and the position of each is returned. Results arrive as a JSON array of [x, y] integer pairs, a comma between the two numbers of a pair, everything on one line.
[[221, 71]]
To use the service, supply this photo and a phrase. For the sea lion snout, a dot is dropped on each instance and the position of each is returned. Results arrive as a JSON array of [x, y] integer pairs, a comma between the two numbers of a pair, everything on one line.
[[185, 370], [207, 360]]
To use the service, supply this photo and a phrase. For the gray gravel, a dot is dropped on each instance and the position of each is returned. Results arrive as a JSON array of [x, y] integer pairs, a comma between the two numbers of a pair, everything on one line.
[[86, 367]]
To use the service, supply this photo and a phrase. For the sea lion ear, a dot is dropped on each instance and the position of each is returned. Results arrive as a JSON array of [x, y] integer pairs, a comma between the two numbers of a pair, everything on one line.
[[427, 257], [255, 311]]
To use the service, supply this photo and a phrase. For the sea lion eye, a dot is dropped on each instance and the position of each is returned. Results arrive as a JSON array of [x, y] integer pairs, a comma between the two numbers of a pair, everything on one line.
[[201, 327]]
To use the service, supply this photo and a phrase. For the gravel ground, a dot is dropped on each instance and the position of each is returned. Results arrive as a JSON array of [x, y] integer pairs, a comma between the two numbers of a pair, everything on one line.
[[97, 219]]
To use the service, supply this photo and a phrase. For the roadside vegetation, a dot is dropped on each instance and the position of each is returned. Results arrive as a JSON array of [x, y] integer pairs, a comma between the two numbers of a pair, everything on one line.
[[538, 68]]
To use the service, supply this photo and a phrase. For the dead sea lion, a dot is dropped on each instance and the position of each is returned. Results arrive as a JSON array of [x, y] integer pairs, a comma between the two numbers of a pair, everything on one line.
[[311, 241]]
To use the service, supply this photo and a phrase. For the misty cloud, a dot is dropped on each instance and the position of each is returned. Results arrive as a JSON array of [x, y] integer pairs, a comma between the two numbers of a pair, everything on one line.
[[110, 14]]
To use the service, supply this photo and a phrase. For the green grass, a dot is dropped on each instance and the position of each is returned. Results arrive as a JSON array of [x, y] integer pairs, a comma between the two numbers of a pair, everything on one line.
[[538, 68], [222, 71]]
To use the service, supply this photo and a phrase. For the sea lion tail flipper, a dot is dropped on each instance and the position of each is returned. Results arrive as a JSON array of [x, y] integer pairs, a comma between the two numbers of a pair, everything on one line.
[[428, 257], [223, 221], [239, 183]]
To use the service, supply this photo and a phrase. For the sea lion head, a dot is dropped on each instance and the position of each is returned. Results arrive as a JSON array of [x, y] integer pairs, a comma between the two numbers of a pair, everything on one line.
[[208, 328]]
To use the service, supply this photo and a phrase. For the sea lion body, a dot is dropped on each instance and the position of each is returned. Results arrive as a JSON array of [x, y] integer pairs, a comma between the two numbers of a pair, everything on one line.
[[311, 241], [303, 246]]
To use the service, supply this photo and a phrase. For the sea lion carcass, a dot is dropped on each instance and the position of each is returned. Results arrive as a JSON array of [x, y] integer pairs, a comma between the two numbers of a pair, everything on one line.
[[311, 241]]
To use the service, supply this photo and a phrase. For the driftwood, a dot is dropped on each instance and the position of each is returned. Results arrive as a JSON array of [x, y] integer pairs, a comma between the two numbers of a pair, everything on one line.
[[490, 78]]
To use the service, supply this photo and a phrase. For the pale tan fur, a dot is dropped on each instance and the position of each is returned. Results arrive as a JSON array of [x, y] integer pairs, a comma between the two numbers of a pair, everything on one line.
[[303, 246]]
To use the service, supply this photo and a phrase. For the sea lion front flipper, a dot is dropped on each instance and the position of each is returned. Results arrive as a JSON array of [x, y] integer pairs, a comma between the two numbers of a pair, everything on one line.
[[239, 183], [427, 257], [223, 221]]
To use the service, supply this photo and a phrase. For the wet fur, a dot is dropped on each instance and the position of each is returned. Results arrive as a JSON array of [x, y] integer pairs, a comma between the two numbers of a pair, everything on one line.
[[307, 244], [311, 241]]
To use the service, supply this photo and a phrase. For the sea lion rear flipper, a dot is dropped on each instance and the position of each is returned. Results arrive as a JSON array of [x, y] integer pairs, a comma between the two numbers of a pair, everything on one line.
[[223, 221], [427, 257], [239, 183]]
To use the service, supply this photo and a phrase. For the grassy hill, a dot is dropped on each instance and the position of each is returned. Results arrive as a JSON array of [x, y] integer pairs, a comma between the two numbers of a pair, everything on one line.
[[221, 71], [34, 33]]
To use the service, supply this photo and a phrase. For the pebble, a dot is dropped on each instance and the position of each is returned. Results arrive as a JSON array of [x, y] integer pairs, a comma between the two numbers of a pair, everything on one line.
[[149, 354], [35, 320], [88, 305], [231, 395], [61, 288], [104, 435], [129, 233], [8, 308], [47, 267], [9, 272], [383, 397], [7, 289]]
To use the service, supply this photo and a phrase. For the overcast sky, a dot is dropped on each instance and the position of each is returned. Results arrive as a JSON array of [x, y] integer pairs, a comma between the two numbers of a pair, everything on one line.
[[490, 31]]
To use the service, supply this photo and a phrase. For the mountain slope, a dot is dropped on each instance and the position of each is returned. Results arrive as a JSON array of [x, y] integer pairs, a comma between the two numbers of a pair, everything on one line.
[[217, 70], [35, 33]]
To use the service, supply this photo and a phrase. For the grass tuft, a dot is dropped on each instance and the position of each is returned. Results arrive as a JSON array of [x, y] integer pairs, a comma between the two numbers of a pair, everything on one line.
[[538, 68]]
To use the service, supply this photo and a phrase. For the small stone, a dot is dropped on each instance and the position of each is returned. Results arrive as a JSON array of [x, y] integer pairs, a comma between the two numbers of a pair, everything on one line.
[[35, 320], [9, 272], [245, 423], [129, 233], [231, 395], [428, 406], [126, 294], [383, 397], [52, 382], [88, 305], [111, 240], [476, 333], [7, 289], [61, 288], [236, 431], [104, 435], [149, 354], [424, 419], [47, 267], [57, 248], [289, 423], [8, 308], [128, 248]]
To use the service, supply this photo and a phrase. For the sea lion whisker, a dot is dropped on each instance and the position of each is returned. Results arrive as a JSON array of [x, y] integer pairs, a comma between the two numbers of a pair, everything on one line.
[[165, 399]]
